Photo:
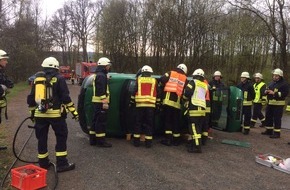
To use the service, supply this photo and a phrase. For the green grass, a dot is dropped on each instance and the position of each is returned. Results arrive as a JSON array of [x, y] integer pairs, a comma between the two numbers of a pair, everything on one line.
[[6, 156], [18, 88]]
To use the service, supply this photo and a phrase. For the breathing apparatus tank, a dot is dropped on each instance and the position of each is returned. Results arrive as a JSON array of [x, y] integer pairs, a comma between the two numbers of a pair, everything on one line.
[[43, 92]]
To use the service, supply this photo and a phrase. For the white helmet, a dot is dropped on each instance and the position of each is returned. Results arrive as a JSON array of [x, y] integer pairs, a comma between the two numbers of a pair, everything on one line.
[[50, 62], [182, 67], [198, 72], [103, 61], [147, 69], [245, 75], [258, 75], [3, 55], [278, 72], [217, 73]]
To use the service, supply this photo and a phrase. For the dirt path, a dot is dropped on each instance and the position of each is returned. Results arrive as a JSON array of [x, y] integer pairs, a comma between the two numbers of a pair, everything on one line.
[[220, 166]]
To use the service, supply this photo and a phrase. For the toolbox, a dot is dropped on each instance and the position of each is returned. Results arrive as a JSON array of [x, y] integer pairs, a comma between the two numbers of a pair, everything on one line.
[[28, 177]]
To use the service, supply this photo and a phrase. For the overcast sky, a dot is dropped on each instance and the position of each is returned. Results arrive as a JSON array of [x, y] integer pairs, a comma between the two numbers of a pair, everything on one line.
[[50, 6]]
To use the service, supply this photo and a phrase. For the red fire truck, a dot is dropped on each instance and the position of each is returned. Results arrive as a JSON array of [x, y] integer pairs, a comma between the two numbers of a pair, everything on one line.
[[65, 71], [84, 69]]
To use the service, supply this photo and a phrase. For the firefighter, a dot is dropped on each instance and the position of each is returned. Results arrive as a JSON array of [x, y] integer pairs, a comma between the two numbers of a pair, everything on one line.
[[248, 94], [72, 77], [195, 94], [259, 100], [276, 92], [173, 83], [216, 96], [48, 100], [145, 98], [206, 121], [5, 84], [100, 99]]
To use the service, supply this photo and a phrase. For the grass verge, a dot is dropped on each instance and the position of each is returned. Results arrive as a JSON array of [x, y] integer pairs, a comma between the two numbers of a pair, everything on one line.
[[6, 156]]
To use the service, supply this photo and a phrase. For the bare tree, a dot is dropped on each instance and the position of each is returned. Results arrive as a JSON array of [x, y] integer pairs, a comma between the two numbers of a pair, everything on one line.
[[82, 18], [273, 14]]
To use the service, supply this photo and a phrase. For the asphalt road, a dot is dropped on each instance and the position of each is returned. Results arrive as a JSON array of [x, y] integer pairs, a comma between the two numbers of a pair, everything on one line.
[[124, 166]]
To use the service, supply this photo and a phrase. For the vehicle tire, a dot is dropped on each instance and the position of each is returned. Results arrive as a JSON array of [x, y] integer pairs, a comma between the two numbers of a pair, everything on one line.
[[81, 111]]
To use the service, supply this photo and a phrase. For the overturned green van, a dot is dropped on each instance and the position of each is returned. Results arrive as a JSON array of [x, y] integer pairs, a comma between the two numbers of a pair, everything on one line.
[[121, 117]]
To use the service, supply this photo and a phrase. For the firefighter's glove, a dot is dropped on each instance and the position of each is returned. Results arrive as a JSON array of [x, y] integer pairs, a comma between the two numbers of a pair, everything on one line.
[[105, 104], [71, 108], [32, 112], [75, 116]]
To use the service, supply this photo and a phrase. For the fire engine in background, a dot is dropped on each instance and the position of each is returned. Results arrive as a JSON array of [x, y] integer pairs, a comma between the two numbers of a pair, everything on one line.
[[65, 71], [84, 69]]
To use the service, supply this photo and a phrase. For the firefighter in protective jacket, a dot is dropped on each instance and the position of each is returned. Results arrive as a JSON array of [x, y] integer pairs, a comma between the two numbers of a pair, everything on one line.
[[5, 83], [195, 94], [276, 92], [100, 99], [173, 84], [216, 96], [248, 94], [48, 100], [145, 98], [259, 100]]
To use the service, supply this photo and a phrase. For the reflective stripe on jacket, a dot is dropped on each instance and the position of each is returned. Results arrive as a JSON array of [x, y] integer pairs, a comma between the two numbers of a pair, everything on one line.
[[147, 91], [103, 97], [175, 83]]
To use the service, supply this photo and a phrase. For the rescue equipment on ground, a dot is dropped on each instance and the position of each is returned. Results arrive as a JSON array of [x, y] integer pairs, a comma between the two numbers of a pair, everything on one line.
[[273, 161], [236, 143]]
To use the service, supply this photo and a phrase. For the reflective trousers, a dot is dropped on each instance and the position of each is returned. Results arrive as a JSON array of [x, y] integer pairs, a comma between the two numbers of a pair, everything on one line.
[[172, 118], [257, 112], [273, 117], [61, 132], [144, 121], [247, 113], [99, 122]]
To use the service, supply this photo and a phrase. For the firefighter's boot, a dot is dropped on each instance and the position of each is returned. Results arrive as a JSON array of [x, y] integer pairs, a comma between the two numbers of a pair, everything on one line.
[[204, 139], [193, 148], [148, 143], [167, 141], [136, 142], [176, 141], [66, 167], [252, 125], [93, 139], [101, 142], [44, 163], [275, 135], [267, 132], [246, 131]]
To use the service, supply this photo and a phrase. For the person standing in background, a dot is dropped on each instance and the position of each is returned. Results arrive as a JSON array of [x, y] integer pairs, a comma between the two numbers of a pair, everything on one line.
[[5, 84], [248, 94], [276, 92], [259, 100]]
